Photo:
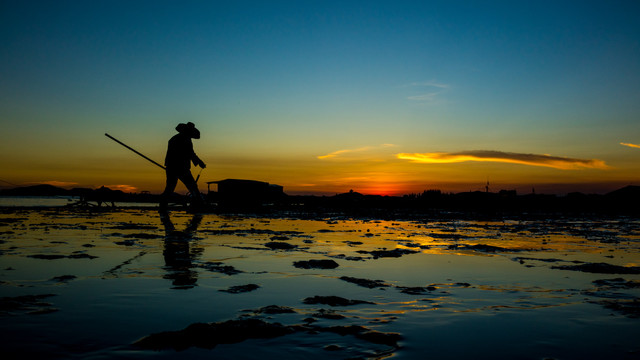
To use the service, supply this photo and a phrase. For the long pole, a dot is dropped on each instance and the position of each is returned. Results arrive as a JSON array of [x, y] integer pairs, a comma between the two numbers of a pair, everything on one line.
[[130, 148]]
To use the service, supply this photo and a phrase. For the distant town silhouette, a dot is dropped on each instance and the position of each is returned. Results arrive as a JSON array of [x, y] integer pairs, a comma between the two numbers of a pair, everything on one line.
[[252, 195]]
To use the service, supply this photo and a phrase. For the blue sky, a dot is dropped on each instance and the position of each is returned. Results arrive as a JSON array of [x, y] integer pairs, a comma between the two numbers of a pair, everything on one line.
[[280, 83]]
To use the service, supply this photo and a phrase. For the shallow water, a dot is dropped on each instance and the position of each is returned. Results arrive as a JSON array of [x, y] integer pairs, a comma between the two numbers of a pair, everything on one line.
[[101, 281]]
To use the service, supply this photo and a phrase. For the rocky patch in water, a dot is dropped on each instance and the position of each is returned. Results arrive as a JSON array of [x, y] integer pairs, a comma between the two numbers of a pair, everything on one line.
[[371, 284], [209, 335], [334, 301], [316, 264], [241, 288], [63, 278], [617, 283], [384, 253], [279, 245], [600, 268], [220, 268], [60, 256], [26, 304], [273, 310]]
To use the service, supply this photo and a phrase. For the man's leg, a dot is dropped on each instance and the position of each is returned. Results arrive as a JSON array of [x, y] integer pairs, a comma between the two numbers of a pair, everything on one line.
[[192, 186], [172, 181]]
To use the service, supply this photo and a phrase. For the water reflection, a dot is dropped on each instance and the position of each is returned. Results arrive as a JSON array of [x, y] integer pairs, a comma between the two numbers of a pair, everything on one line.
[[180, 251]]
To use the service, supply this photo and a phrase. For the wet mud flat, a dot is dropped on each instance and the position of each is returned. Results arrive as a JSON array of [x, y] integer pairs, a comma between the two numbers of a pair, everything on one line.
[[136, 283]]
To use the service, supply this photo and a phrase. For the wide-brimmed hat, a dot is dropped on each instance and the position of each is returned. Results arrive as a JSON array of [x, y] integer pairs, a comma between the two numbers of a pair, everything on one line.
[[188, 129]]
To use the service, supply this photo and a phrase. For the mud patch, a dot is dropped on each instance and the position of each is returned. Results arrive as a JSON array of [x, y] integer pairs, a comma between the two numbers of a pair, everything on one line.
[[59, 256], [241, 289], [371, 284], [384, 253], [316, 264], [334, 301], [220, 268], [600, 268], [26, 304]]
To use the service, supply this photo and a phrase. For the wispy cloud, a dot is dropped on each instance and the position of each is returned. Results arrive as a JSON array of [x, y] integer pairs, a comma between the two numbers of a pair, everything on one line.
[[557, 162], [430, 96], [630, 145], [428, 83], [350, 151]]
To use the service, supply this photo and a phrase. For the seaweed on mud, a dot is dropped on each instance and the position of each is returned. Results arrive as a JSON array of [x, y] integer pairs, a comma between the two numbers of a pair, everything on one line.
[[279, 245], [353, 243], [63, 278], [363, 333], [522, 259], [7, 221], [384, 253], [617, 283], [600, 268], [27, 304], [129, 226], [480, 247], [626, 307], [273, 310], [220, 268], [328, 314], [209, 335], [623, 303], [371, 284], [333, 301], [416, 290], [59, 256], [244, 232], [316, 264], [142, 236], [241, 288], [127, 242]]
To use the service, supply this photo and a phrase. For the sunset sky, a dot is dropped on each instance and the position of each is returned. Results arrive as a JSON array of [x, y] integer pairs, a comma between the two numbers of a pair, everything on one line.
[[382, 97]]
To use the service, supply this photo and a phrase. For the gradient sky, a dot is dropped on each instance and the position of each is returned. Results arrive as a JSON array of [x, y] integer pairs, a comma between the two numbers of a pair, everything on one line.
[[382, 97]]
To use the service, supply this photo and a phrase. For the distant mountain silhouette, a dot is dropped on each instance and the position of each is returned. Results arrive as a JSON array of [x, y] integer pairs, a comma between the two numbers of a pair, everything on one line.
[[627, 192], [36, 190], [621, 201]]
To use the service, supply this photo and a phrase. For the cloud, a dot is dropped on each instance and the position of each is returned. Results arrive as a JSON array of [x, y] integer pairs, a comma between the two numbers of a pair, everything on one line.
[[430, 96], [428, 83], [555, 162], [349, 151], [630, 145]]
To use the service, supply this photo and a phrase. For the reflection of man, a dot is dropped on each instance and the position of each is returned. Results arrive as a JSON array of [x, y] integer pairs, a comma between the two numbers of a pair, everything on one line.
[[180, 154], [177, 254]]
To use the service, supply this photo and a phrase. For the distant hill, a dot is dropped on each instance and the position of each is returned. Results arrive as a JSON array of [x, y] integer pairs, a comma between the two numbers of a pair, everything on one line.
[[627, 192], [36, 190]]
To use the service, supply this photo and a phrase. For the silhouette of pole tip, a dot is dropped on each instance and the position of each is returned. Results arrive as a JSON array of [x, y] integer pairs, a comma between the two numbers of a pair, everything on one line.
[[132, 149]]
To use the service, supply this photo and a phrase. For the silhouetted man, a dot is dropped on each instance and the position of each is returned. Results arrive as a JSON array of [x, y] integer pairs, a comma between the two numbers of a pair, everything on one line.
[[180, 154]]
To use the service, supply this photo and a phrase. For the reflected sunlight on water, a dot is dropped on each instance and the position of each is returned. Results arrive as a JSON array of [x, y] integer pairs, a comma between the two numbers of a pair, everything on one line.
[[163, 272]]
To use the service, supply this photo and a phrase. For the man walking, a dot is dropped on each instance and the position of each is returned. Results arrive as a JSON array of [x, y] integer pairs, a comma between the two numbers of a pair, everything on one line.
[[180, 154]]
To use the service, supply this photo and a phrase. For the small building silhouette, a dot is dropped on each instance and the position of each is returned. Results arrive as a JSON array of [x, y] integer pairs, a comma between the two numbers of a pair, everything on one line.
[[241, 193]]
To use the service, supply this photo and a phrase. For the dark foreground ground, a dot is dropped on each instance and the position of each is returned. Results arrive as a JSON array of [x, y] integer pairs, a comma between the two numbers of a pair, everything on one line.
[[135, 283]]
